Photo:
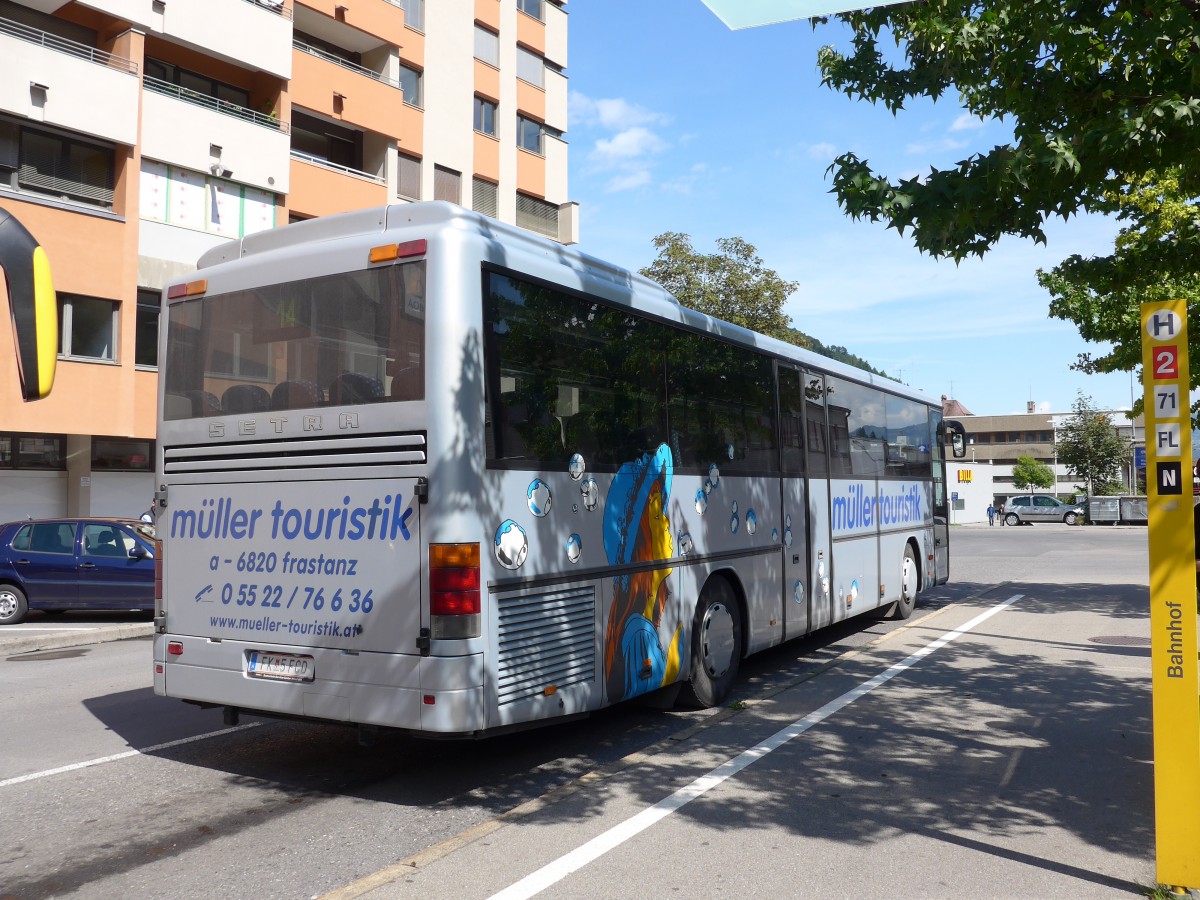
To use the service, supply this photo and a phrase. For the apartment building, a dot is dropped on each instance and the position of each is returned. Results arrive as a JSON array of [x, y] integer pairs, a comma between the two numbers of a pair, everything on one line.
[[136, 134]]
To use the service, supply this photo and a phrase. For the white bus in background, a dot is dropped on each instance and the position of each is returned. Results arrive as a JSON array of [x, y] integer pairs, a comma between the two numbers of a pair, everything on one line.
[[421, 470]]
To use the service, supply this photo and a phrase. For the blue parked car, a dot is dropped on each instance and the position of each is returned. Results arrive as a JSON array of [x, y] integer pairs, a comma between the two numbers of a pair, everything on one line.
[[60, 564]]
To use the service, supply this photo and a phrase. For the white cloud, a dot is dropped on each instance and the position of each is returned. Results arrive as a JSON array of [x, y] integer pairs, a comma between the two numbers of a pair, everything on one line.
[[627, 181], [823, 151], [614, 113], [633, 143], [966, 122]]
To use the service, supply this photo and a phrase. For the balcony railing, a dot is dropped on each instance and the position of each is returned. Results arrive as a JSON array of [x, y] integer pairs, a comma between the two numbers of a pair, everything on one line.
[[222, 106], [62, 45], [345, 170], [344, 63], [275, 6]]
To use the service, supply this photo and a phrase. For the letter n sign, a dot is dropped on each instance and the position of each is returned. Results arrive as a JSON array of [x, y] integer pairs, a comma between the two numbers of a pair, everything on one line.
[[1173, 637]]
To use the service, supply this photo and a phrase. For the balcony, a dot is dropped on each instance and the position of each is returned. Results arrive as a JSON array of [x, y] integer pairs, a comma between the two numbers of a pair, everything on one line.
[[320, 188], [251, 35], [60, 82], [180, 127], [349, 93]]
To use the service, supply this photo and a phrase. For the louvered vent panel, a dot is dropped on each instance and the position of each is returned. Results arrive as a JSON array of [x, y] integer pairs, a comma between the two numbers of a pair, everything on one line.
[[545, 639]]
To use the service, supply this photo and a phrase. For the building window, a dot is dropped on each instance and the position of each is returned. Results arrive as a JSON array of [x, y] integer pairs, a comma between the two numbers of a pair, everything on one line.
[[414, 13], [485, 198], [532, 8], [410, 84], [447, 185], [30, 452], [88, 327], [487, 46], [529, 135], [196, 83], [149, 305], [531, 67], [326, 141], [537, 215], [485, 116], [410, 177], [118, 454], [51, 164]]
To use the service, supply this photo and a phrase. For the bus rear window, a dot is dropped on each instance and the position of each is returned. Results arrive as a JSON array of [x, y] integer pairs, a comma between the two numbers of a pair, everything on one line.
[[338, 340]]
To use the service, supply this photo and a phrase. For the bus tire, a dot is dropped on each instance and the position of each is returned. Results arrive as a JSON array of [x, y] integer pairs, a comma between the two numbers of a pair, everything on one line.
[[716, 645], [909, 583], [13, 605]]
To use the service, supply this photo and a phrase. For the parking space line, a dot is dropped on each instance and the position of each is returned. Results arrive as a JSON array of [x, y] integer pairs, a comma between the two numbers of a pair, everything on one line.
[[33, 776], [554, 872]]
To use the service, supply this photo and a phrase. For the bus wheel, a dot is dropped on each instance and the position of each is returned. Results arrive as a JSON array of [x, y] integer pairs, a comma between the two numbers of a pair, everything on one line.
[[716, 645], [903, 608], [12, 605]]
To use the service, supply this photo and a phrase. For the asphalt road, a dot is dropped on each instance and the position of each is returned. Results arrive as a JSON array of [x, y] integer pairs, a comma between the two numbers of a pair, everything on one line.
[[1012, 762]]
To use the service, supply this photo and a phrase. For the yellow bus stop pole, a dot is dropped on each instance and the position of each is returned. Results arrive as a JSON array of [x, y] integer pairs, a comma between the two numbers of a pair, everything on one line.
[[1173, 634]]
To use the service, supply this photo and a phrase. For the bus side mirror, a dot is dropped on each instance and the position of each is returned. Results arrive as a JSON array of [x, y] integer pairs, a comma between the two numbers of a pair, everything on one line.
[[33, 306], [958, 439]]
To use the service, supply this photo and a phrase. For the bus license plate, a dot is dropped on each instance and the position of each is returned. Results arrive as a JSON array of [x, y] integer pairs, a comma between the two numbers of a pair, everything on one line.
[[280, 666]]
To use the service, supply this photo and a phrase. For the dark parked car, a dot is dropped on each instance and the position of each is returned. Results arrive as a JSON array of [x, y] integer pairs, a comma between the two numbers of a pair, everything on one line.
[[59, 564]]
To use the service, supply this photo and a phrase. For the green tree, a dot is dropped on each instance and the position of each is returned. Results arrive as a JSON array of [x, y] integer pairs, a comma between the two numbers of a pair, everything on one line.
[[734, 285], [1102, 294], [1032, 473], [1104, 103], [1091, 449]]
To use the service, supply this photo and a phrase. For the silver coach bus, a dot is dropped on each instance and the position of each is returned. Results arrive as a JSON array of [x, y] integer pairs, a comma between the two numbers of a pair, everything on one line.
[[419, 469]]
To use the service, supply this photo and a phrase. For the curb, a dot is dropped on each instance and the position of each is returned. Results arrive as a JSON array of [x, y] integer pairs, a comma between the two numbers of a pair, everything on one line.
[[99, 635]]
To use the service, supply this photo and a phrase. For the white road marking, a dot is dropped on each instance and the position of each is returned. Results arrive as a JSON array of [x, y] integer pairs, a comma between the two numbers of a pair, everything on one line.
[[554, 872], [33, 776]]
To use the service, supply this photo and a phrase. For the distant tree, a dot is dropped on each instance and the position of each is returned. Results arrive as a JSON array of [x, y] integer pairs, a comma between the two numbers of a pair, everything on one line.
[[734, 285], [1030, 472], [1090, 447]]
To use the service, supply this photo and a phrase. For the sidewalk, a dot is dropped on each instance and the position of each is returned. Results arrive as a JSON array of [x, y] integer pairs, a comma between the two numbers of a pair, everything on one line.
[[52, 635], [1013, 762]]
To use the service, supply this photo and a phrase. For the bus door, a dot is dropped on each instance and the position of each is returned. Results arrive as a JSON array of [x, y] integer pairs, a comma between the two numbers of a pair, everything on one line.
[[794, 504], [820, 544], [941, 510]]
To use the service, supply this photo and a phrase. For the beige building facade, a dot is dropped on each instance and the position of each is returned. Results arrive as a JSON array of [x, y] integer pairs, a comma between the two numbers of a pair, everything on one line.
[[137, 134]]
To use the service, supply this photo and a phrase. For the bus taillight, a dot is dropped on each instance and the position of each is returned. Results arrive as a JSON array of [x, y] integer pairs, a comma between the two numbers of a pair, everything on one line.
[[454, 597]]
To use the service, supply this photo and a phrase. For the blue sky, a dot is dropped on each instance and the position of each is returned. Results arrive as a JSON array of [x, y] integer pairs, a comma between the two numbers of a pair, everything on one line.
[[680, 124]]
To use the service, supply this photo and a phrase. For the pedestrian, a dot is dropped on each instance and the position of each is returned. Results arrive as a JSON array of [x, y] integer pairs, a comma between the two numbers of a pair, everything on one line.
[[149, 515], [991, 511], [1000, 512]]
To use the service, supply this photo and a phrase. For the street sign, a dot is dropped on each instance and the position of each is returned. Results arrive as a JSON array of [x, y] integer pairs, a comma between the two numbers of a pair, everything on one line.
[[1173, 636]]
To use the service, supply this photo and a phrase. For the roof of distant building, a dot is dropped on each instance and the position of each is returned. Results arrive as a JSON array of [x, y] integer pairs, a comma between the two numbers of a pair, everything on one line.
[[951, 407]]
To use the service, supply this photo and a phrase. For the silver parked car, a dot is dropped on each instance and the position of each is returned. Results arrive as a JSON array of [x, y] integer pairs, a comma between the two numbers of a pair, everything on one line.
[[1029, 508]]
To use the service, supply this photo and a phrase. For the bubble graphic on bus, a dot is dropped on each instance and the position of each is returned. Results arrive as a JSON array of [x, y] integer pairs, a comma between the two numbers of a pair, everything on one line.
[[714, 475], [774, 535], [591, 493], [686, 544], [539, 497], [798, 591], [729, 451], [701, 501], [512, 544], [751, 522], [576, 466], [853, 592], [734, 521], [574, 548], [787, 531]]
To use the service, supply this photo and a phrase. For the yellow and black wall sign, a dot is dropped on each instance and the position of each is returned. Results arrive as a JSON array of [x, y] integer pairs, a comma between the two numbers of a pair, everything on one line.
[[1173, 633]]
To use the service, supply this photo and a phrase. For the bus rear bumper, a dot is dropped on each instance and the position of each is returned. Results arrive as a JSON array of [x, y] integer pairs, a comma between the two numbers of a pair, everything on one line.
[[438, 695]]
